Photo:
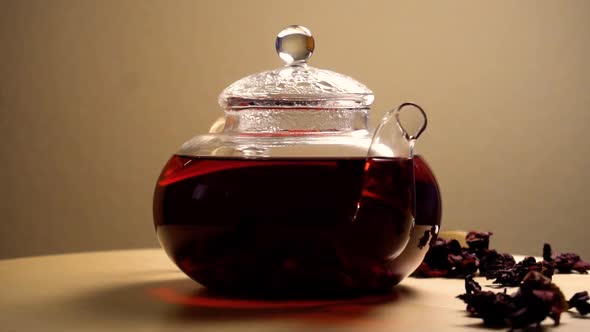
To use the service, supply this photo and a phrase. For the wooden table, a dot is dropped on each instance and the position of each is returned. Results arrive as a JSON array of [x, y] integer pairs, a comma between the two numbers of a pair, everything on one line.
[[141, 290]]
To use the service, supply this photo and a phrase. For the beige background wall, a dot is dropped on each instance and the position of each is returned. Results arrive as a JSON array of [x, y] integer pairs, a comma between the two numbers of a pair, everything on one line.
[[95, 96]]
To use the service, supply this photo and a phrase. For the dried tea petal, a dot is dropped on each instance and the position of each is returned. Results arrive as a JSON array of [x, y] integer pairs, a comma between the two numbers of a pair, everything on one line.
[[507, 278], [535, 313], [454, 247], [537, 282], [478, 241], [580, 302], [447, 259], [491, 262], [436, 257], [514, 275], [471, 286], [547, 252], [565, 262], [464, 264], [541, 297], [581, 266], [493, 308], [536, 299]]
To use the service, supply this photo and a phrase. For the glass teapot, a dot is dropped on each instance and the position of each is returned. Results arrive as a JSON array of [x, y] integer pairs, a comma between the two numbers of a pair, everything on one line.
[[294, 194]]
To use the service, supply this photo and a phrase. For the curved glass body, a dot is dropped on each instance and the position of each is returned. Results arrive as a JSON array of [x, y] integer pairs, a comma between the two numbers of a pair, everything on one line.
[[283, 200], [290, 212], [428, 219]]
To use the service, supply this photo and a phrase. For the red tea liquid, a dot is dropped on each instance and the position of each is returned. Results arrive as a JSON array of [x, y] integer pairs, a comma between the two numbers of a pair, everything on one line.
[[285, 225]]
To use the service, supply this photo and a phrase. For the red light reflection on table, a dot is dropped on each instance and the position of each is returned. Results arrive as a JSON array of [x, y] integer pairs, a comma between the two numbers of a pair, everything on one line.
[[202, 305], [202, 299]]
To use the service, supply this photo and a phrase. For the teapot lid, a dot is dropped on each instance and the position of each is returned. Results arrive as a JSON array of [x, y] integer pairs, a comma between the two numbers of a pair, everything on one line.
[[296, 84]]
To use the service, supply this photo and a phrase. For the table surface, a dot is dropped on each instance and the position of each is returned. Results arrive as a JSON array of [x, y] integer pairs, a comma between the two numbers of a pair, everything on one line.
[[141, 290]]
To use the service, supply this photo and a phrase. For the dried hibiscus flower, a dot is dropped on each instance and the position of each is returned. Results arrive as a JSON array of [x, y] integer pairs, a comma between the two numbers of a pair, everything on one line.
[[536, 299], [493, 308], [565, 262], [478, 242], [447, 259], [538, 293], [515, 274], [491, 262], [580, 302]]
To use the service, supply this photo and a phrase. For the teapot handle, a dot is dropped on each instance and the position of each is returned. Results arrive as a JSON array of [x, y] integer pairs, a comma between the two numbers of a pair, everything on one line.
[[408, 136], [391, 137]]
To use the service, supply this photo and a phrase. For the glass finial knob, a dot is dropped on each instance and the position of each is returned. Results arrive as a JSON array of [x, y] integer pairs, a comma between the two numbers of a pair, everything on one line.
[[295, 44]]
